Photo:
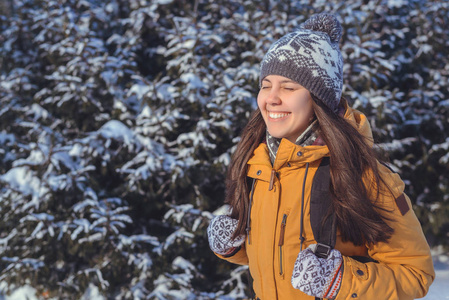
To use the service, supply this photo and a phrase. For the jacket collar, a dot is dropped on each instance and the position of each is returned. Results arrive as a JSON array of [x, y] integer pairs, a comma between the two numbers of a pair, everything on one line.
[[287, 152]]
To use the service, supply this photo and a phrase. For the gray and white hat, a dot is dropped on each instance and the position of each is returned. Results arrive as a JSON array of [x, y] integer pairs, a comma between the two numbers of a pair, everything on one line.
[[311, 57]]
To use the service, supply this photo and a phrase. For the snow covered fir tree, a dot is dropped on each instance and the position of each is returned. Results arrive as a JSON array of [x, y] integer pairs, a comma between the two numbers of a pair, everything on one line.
[[118, 120]]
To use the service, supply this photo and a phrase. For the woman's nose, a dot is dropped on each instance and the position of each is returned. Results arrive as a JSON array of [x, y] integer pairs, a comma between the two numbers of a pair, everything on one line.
[[273, 97]]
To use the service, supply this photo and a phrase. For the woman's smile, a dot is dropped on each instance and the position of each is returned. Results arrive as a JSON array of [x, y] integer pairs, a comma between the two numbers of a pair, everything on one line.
[[277, 116]]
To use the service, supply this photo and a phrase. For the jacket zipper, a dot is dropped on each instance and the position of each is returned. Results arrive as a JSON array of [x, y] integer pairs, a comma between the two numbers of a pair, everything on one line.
[[281, 243], [301, 229]]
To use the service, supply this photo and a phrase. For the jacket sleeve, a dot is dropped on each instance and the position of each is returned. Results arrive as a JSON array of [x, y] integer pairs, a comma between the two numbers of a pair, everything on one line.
[[239, 258], [404, 268]]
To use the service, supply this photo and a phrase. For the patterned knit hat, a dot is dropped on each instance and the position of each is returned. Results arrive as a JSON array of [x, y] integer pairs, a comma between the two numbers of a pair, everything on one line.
[[311, 57]]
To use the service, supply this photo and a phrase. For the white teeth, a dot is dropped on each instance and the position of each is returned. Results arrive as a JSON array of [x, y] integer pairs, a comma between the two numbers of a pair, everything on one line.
[[277, 115]]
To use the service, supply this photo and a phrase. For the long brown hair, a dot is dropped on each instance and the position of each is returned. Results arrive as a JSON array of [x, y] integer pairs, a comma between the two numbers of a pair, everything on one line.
[[351, 157]]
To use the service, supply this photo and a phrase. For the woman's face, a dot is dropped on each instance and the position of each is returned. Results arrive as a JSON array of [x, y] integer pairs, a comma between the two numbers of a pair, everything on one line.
[[286, 107]]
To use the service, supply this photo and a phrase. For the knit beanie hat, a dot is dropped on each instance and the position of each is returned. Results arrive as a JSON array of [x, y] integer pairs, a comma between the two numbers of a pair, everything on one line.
[[311, 57]]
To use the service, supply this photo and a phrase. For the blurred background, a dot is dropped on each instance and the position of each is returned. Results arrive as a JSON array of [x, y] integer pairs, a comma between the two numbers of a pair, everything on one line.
[[118, 120]]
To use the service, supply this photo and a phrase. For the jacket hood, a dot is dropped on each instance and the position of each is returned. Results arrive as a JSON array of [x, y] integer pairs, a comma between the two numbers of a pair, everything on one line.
[[360, 122]]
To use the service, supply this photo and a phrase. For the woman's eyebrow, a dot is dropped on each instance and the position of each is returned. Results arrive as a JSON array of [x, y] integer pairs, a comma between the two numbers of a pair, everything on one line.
[[289, 81], [283, 81]]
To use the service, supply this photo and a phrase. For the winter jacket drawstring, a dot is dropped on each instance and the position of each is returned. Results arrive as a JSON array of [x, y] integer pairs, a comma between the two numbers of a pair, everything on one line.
[[301, 230], [248, 221]]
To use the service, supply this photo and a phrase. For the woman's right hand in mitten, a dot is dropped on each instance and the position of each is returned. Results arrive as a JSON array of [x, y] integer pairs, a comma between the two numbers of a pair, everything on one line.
[[219, 233], [316, 276]]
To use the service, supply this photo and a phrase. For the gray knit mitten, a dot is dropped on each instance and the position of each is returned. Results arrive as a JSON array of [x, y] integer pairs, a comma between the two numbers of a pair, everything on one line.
[[319, 277], [219, 233]]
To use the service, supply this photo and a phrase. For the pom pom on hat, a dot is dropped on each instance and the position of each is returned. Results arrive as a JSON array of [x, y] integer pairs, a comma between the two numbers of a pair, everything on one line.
[[327, 23], [311, 57]]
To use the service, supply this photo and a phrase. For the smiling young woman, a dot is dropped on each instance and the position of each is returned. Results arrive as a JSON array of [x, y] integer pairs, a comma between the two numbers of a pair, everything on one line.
[[322, 216]]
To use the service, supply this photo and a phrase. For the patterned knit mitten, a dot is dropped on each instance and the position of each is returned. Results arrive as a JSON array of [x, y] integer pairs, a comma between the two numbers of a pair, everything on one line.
[[219, 233], [319, 277]]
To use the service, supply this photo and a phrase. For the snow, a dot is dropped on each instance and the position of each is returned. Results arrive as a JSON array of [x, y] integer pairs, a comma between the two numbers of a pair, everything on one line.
[[22, 179], [222, 210], [397, 3], [28, 292], [129, 240], [139, 89], [115, 129], [440, 287], [193, 81], [92, 293], [4, 137], [24, 292]]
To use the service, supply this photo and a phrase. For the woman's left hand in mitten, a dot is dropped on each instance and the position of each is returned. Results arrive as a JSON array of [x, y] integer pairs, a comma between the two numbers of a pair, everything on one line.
[[319, 277]]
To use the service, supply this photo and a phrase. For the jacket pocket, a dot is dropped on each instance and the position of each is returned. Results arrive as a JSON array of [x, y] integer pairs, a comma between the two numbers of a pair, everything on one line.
[[281, 245]]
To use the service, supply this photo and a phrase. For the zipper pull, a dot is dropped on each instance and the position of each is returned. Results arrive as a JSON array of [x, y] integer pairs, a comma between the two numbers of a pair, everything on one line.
[[273, 174], [281, 243], [281, 236]]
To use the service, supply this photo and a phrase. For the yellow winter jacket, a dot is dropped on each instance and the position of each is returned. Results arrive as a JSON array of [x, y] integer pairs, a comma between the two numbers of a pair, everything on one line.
[[404, 268]]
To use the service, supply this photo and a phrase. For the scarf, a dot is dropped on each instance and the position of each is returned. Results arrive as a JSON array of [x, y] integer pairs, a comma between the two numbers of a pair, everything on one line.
[[307, 138]]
